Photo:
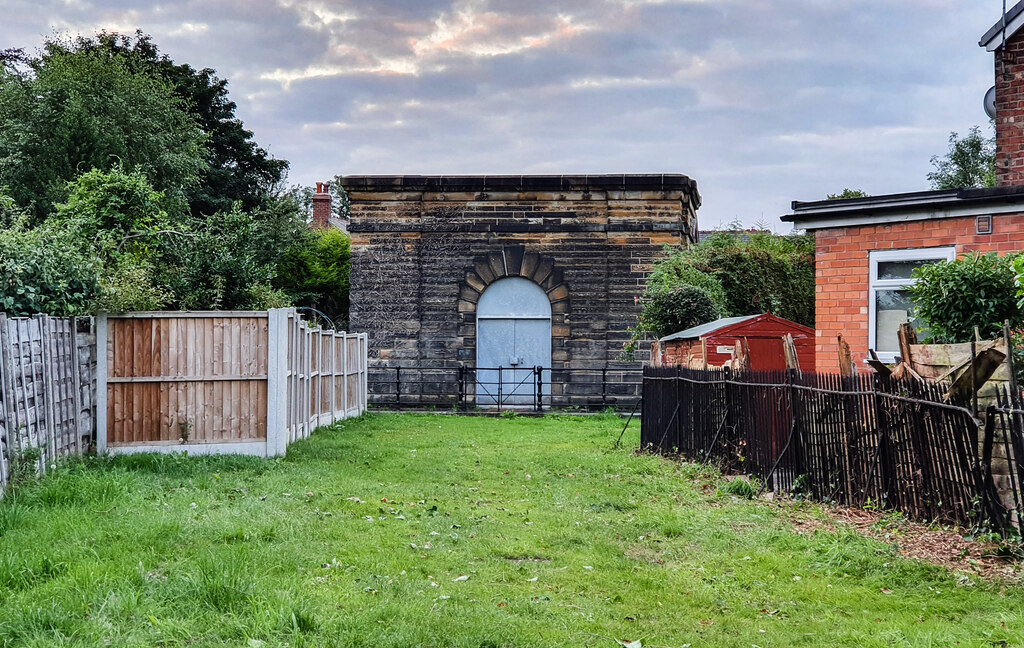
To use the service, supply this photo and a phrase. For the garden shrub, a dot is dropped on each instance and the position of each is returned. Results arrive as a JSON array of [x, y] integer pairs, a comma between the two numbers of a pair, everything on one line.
[[316, 274], [43, 270], [742, 273], [675, 310], [678, 270], [952, 297]]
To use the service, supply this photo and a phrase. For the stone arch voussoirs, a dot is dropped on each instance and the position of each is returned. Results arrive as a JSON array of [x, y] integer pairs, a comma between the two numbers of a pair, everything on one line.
[[515, 261]]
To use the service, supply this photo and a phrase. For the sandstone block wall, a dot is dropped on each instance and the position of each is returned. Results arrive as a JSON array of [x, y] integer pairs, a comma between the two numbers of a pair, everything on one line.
[[424, 248]]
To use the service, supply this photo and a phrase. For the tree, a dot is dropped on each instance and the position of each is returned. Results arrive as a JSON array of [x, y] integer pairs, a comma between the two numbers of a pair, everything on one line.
[[847, 193], [969, 163], [72, 110], [237, 169]]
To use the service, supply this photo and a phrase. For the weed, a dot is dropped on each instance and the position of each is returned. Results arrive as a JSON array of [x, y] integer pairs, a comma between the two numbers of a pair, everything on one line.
[[744, 488]]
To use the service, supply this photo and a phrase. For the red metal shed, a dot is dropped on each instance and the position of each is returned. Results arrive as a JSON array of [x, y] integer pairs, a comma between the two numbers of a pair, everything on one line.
[[763, 335]]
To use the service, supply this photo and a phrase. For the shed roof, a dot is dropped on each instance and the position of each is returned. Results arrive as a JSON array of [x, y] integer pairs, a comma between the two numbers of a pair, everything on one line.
[[703, 329]]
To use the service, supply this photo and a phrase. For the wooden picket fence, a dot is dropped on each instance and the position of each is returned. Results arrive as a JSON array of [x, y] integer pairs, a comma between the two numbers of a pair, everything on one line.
[[47, 373], [222, 382], [196, 382]]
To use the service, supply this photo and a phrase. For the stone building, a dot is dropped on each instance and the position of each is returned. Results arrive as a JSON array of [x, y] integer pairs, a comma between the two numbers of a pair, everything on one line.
[[509, 272]]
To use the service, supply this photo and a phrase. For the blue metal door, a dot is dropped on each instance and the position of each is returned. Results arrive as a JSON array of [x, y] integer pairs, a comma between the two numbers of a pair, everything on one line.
[[513, 337]]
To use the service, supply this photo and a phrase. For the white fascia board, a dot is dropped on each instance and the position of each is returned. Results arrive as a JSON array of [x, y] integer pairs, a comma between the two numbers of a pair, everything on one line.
[[1011, 28], [905, 216]]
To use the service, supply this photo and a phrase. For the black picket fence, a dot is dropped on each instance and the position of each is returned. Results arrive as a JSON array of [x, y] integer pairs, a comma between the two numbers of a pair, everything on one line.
[[617, 386], [860, 441]]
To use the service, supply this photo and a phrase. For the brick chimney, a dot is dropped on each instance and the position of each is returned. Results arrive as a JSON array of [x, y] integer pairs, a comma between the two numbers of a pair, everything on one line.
[[1006, 41], [321, 206]]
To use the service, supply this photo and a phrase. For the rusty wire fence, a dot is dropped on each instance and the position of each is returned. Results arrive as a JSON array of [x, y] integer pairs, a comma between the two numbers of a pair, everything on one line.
[[859, 441]]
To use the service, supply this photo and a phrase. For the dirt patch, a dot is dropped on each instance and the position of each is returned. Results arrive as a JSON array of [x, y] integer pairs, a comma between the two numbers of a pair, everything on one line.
[[518, 560], [644, 554], [940, 546]]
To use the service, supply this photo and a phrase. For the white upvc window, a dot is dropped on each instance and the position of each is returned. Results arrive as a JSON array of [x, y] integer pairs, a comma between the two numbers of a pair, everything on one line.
[[889, 302]]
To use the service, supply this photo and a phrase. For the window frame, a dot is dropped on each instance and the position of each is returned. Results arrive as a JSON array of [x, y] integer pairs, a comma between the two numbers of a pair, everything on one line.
[[947, 253]]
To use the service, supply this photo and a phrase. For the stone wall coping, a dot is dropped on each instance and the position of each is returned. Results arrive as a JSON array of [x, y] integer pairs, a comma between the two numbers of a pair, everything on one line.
[[523, 183]]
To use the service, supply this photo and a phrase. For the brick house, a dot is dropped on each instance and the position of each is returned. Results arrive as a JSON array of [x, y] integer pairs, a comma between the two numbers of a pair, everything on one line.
[[866, 248]]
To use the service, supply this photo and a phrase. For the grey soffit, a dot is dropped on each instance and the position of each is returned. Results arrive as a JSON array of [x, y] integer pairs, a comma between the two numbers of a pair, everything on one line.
[[996, 29], [808, 212], [704, 329], [478, 183]]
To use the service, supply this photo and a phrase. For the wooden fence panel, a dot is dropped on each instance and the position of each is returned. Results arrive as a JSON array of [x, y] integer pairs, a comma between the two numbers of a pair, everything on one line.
[[212, 382], [183, 379], [46, 403]]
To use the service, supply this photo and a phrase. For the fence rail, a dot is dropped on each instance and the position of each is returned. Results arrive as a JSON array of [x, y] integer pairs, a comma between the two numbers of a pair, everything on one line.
[[848, 440], [212, 382], [47, 373], [531, 388]]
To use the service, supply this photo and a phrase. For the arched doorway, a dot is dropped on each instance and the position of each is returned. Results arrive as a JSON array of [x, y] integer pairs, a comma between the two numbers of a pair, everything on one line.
[[513, 324]]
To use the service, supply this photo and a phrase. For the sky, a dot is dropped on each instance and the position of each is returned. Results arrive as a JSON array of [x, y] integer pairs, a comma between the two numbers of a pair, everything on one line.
[[762, 102]]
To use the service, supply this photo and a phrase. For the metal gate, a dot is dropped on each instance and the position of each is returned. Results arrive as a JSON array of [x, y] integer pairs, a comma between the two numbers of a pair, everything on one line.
[[513, 337]]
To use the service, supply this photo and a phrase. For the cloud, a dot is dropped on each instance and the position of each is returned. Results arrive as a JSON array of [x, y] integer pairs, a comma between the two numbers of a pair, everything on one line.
[[761, 102]]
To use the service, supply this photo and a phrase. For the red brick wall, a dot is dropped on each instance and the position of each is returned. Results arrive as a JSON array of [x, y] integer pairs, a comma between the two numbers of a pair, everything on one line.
[[674, 352], [1010, 112], [842, 270]]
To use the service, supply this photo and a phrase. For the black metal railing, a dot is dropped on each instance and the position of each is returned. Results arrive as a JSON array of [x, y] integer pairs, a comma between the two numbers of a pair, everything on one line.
[[616, 386], [856, 441]]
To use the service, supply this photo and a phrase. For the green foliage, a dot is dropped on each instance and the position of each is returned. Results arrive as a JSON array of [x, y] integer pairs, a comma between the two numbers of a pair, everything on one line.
[[760, 272], [679, 270], [229, 260], [117, 218], [743, 273], [44, 270], [952, 297], [71, 110], [676, 310], [237, 169], [315, 273], [105, 207], [130, 285], [145, 190], [847, 194], [970, 162]]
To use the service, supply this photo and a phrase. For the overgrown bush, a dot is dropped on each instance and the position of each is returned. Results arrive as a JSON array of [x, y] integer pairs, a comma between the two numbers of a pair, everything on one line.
[[316, 274], [676, 310], [743, 273], [228, 261], [761, 273], [44, 270], [678, 270], [953, 297]]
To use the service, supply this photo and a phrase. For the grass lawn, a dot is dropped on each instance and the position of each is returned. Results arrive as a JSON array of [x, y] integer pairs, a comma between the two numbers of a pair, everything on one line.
[[418, 530]]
